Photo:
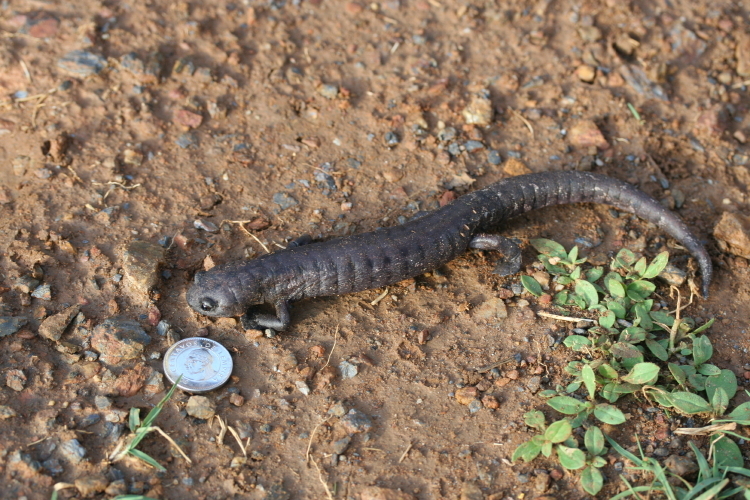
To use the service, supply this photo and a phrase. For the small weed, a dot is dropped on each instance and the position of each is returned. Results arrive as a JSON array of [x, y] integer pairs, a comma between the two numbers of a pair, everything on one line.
[[637, 347], [140, 429]]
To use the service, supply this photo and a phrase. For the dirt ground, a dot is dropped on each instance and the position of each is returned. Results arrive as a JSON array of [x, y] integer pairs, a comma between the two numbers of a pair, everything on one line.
[[169, 121]]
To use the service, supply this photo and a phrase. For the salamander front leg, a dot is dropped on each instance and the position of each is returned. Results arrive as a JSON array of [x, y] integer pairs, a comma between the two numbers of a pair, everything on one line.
[[511, 261], [257, 321]]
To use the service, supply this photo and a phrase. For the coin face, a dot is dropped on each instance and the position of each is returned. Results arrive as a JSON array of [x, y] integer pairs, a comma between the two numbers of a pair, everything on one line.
[[203, 363]]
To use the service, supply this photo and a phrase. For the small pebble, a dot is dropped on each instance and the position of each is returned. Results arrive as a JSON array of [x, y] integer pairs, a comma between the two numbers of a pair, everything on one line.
[[7, 412], [205, 225], [303, 387], [480, 110], [15, 379], [200, 407], [447, 134], [186, 140], [73, 451], [493, 156], [43, 292], [82, 63], [355, 422], [340, 446], [11, 324], [89, 420], [348, 370], [284, 200], [328, 91], [89, 486], [391, 139], [475, 406], [586, 73]]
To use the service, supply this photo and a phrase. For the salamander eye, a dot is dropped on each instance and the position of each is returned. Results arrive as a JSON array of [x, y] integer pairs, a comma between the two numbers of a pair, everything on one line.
[[208, 305]]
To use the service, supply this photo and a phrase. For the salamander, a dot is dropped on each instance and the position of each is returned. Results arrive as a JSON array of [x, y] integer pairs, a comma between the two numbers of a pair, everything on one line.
[[307, 269]]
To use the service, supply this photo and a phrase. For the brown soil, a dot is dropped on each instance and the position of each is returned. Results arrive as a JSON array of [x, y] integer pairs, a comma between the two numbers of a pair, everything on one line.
[[219, 108]]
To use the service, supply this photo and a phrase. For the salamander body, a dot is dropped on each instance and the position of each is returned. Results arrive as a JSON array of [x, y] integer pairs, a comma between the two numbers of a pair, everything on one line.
[[385, 256]]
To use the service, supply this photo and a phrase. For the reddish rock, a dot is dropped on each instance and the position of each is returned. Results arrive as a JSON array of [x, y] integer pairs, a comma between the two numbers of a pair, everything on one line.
[[187, 118], [466, 395], [42, 25], [53, 327], [131, 381], [732, 234], [585, 134], [447, 197], [490, 402], [118, 339], [317, 351], [15, 379], [89, 486], [353, 8], [502, 382]]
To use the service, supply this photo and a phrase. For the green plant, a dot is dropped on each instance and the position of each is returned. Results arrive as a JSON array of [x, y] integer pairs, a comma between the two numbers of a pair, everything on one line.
[[139, 431], [638, 347], [711, 481]]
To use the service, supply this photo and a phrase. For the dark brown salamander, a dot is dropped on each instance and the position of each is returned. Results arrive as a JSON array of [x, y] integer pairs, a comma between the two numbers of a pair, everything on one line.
[[386, 256]]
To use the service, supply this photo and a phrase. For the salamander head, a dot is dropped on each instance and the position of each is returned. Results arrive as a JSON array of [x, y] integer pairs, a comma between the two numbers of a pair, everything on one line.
[[213, 295]]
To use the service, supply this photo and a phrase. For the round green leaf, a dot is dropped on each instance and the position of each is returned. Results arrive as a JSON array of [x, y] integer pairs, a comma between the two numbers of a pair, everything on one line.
[[607, 371], [617, 308], [624, 258], [726, 380], [567, 405], [592, 480], [577, 342], [640, 266], [609, 414], [531, 285], [702, 350], [549, 247], [534, 419], [594, 440], [727, 453], [719, 401], [594, 274], [571, 458], [657, 266], [599, 462], [588, 292], [709, 370], [642, 373], [607, 319], [527, 451], [639, 290], [558, 431], [689, 403], [742, 412]]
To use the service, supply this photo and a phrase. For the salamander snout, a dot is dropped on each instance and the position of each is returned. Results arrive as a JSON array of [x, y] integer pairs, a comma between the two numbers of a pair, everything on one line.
[[213, 297]]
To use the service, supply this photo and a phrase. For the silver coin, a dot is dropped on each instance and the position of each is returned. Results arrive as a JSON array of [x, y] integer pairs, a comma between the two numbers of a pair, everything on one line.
[[203, 363]]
